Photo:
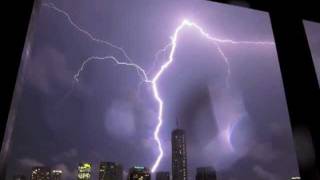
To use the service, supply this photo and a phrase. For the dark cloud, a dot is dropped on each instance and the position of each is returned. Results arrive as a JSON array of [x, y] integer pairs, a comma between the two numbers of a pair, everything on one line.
[[264, 174], [47, 71], [67, 173], [120, 119], [72, 153], [28, 162]]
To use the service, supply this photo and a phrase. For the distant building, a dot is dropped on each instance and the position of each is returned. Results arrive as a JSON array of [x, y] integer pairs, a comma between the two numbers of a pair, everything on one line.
[[179, 155], [139, 173], [56, 174], [163, 176], [110, 171], [40, 173], [19, 177], [84, 171], [206, 173]]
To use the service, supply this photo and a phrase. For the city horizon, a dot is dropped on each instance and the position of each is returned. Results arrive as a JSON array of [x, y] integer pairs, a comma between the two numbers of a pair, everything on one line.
[[85, 170]]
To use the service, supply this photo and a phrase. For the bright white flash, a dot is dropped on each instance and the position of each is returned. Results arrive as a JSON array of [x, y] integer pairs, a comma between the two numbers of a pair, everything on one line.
[[153, 81]]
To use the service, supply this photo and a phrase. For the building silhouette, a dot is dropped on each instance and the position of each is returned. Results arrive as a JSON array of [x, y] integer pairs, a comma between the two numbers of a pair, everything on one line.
[[139, 173], [179, 155], [206, 173], [40, 173], [84, 171], [163, 176], [19, 177], [56, 174], [110, 171]]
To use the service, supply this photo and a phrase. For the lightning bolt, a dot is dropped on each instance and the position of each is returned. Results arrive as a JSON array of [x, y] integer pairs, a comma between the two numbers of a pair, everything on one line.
[[88, 34], [156, 56], [93, 38], [116, 61], [174, 39], [153, 81]]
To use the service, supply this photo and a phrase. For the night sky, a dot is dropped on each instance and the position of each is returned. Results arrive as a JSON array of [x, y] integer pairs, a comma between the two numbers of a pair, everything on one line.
[[110, 116]]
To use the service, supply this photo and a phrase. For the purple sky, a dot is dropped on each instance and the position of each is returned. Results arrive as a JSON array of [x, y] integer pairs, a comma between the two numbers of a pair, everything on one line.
[[108, 117]]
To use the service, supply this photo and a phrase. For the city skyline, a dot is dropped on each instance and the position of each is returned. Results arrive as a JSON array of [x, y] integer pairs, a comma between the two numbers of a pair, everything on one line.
[[114, 171], [229, 98]]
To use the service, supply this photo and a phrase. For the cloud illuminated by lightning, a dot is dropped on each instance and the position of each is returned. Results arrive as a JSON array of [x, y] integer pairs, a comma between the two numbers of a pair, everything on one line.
[[174, 39], [153, 81]]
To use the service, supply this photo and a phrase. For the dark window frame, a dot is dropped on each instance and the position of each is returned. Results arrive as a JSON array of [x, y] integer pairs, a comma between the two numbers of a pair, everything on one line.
[[298, 73]]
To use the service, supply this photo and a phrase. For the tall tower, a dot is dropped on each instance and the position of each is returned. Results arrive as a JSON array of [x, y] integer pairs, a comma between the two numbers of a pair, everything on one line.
[[40, 173], [179, 154], [110, 171], [206, 173], [84, 171]]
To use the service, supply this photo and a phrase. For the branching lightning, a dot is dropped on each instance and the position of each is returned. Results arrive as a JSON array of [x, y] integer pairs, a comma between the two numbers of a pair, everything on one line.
[[115, 60], [93, 38], [153, 81], [157, 55]]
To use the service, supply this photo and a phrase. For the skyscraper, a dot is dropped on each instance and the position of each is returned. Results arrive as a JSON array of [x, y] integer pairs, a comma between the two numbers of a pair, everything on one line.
[[19, 177], [40, 173], [163, 176], [139, 173], [206, 173], [56, 174], [179, 155], [110, 171], [84, 171]]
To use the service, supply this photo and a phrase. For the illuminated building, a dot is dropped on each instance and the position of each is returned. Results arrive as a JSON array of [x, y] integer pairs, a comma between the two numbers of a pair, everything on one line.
[[84, 171], [206, 173], [179, 155], [40, 173], [163, 176], [139, 173], [56, 174], [19, 177], [110, 171]]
